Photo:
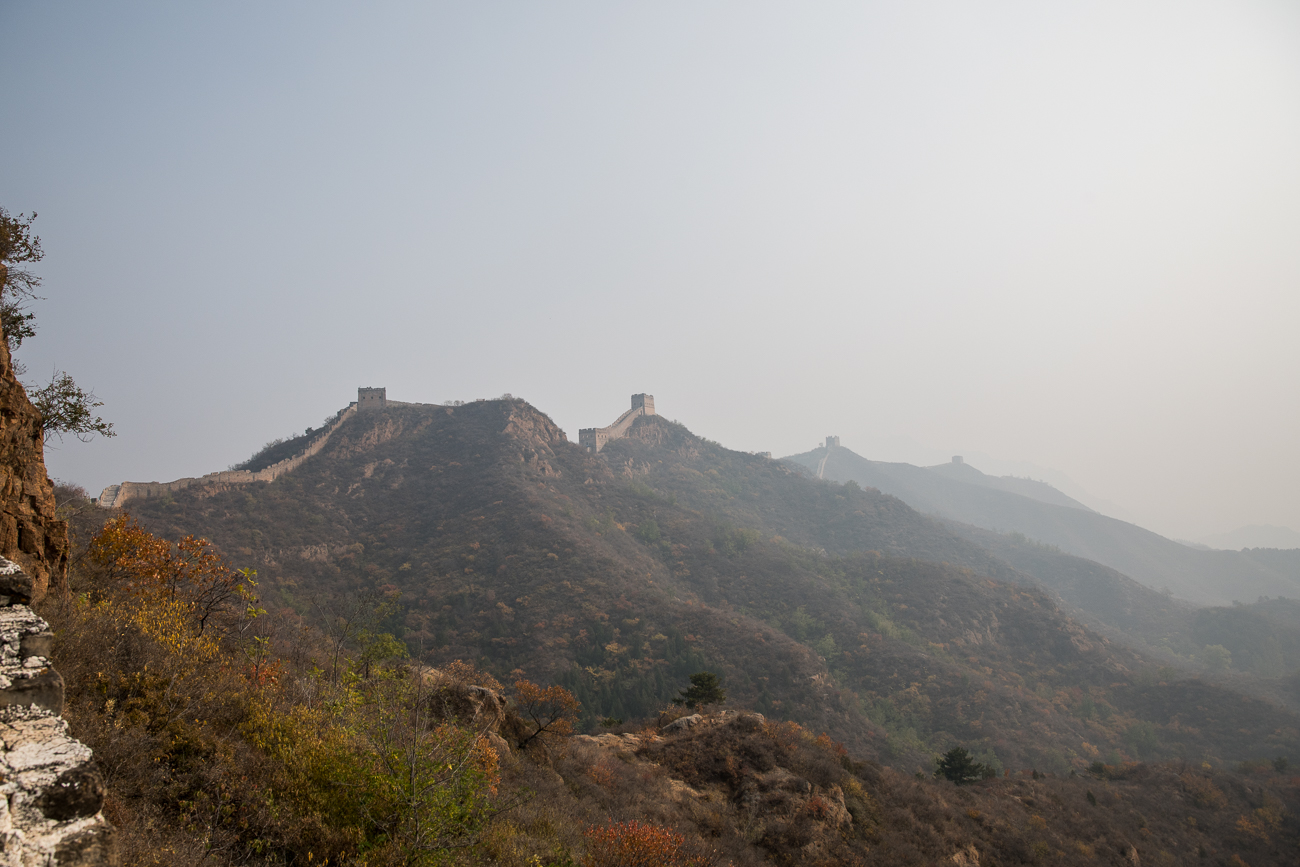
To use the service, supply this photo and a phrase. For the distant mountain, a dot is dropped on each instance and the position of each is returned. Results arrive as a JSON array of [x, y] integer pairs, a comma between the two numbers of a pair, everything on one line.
[[620, 573], [1209, 577], [1031, 488], [1254, 536]]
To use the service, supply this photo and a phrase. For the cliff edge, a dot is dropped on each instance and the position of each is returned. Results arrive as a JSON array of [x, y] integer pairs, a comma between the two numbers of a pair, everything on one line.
[[30, 533]]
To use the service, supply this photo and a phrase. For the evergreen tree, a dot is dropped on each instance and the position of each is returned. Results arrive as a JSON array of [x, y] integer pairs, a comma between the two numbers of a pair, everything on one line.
[[705, 688], [960, 767]]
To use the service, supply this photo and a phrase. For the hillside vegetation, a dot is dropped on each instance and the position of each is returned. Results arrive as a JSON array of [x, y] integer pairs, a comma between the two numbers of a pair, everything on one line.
[[618, 575], [227, 740]]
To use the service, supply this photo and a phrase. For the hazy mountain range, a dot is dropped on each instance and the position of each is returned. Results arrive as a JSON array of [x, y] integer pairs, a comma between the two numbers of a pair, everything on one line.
[[1254, 536], [961, 493]]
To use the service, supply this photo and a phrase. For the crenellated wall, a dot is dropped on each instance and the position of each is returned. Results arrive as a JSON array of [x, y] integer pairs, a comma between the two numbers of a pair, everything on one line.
[[116, 495], [593, 439]]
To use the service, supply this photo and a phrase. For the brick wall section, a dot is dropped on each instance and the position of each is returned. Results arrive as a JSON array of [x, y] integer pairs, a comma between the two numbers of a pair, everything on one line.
[[593, 439], [116, 495]]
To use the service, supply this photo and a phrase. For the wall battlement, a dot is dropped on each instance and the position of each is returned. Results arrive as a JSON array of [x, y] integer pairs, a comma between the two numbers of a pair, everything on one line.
[[116, 495], [368, 400], [593, 439]]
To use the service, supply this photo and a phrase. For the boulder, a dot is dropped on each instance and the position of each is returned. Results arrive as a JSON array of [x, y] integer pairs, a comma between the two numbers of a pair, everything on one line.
[[682, 724]]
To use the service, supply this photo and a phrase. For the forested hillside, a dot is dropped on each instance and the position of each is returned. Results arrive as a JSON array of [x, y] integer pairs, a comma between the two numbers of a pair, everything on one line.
[[619, 574]]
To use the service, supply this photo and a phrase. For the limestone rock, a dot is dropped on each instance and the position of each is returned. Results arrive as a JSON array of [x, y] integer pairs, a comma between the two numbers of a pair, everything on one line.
[[476, 706], [51, 796], [681, 724]]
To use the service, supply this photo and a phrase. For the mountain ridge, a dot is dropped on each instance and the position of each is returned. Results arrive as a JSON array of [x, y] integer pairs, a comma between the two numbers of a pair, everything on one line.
[[1198, 576], [619, 574]]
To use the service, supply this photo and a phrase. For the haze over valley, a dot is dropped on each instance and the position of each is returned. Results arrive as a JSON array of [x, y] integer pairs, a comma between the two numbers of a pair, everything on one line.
[[674, 435]]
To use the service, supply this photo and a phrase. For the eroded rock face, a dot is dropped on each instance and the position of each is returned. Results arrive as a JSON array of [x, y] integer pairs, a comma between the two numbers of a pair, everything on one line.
[[30, 533], [51, 794]]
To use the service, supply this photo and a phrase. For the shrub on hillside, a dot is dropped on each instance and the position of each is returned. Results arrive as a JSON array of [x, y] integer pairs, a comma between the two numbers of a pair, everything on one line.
[[639, 844]]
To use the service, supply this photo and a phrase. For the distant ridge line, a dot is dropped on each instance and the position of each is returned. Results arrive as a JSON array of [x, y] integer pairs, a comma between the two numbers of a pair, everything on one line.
[[114, 496]]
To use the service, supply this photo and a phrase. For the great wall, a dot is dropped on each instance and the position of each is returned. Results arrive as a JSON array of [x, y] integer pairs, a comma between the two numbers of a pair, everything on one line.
[[593, 439], [116, 495], [368, 400]]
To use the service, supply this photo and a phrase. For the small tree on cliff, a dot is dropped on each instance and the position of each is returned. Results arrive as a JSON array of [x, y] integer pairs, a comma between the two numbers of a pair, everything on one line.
[[18, 246], [65, 408]]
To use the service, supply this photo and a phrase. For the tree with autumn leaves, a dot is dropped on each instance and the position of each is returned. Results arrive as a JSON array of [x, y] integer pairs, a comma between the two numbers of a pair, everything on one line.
[[133, 562], [169, 683], [542, 714]]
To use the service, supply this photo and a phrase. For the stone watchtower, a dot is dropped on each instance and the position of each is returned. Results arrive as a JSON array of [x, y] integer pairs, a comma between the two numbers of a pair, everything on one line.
[[832, 442], [371, 399], [593, 439]]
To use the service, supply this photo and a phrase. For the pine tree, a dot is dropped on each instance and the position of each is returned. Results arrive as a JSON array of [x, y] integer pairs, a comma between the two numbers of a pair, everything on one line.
[[960, 767], [705, 688]]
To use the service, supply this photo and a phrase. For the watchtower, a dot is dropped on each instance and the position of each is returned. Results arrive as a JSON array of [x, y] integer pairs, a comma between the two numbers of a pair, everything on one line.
[[371, 399], [593, 439], [832, 442]]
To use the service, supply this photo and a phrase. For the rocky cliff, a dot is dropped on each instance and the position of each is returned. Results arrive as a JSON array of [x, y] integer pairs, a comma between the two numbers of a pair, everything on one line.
[[50, 791], [30, 533]]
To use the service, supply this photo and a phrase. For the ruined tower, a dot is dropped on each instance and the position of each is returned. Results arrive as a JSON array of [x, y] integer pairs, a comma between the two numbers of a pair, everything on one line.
[[371, 399]]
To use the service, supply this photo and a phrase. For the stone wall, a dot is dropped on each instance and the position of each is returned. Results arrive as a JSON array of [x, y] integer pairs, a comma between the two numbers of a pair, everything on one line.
[[116, 495], [593, 439]]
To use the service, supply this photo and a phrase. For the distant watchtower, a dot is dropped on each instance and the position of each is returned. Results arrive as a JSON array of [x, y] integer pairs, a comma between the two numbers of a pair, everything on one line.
[[593, 439], [371, 399], [832, 442]]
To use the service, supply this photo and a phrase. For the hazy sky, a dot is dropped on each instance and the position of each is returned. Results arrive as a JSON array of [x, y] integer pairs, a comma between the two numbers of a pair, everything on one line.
[[1066, 234]]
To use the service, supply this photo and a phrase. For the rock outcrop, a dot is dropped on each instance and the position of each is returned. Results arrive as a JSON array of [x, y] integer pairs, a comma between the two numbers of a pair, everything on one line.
[[30, 533], [50, 791]]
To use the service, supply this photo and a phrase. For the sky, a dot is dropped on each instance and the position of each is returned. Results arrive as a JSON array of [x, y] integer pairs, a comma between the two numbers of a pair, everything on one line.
[[1060, 236]]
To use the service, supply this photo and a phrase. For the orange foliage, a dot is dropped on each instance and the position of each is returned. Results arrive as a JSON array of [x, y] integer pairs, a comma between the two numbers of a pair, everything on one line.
[[1204, 793], [637, 844], [544, 712], [833, 747], [189, 572]]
